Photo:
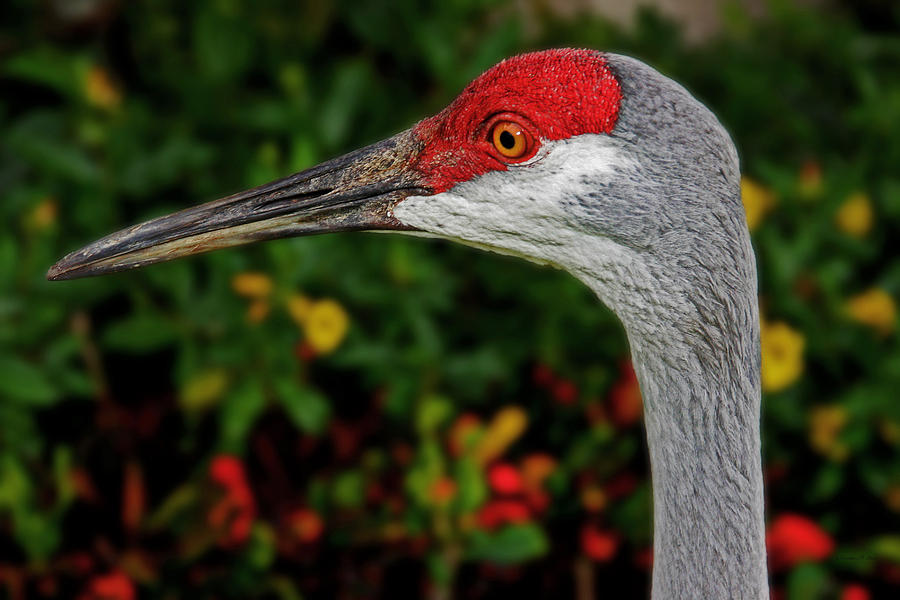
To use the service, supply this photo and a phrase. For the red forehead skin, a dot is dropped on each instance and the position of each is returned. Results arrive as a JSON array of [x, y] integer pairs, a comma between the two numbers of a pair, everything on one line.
[[561, 93]]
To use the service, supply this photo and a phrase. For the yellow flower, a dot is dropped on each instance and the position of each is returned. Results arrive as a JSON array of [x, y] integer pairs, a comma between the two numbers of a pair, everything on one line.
[[203, 390], [252, 285], [782, 355], [854, 216], [100, 90], [507, 425], [758, 200], [298, 307], [874, 308], [325, 326], [825, 425]]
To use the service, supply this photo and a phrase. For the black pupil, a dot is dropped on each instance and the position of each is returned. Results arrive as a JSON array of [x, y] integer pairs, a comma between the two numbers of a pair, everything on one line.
[[507, 140]]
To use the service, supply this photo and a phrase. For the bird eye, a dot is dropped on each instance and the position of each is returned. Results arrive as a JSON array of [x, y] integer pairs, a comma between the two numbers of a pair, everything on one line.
[[510, 139]]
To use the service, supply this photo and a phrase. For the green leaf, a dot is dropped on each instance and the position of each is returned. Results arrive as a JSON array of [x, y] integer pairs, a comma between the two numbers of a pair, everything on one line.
[[141, 332], [887, 547], [37, 533], [433, 411], [808, 582], [223, 45], [23, 382], [62, 474], [56, 69], [15, 484], [260, 552], [307, 408], [40, 140], [631, 515], [9, 262], [239, 412], [827, 483], [510, 545], [349, 489], [203, 390], [472, 486]]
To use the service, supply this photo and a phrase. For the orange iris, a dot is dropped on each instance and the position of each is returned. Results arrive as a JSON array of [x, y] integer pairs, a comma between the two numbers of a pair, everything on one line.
[[510, 139]]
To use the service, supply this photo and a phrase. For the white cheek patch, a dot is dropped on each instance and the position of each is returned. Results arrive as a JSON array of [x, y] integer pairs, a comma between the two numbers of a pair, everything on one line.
[[521, 211]]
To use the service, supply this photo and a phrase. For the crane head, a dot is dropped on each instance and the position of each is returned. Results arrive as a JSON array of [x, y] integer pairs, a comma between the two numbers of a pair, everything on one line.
[[575, 158]]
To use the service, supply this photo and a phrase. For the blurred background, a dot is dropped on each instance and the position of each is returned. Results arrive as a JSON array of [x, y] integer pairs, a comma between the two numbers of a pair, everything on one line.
[[373, 416]]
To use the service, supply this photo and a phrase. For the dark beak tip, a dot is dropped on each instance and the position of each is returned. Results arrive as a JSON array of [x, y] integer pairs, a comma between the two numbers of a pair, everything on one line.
[[58, 272], [70, 266]]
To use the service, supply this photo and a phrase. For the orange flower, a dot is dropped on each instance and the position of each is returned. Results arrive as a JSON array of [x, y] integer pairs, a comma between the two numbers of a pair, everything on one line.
[[625, 405], [793, 538], [598, 544], [593, 498], [251, 284], [535, 468], [442, 490], [306, 525]]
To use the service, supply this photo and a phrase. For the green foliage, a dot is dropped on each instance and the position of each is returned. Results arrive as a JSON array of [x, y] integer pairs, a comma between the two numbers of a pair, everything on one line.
[[514, 544], [115, 392]]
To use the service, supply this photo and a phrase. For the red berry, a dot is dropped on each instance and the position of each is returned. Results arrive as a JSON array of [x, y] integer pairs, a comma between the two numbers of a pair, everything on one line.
[[855, 591], [505, 479], [227, 471], [499, 512], [598, 544], [112, 586], [565, 392], [793, 538]]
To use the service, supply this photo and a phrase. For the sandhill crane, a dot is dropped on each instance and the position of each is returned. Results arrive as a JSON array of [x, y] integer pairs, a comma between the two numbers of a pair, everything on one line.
[[596, 164]]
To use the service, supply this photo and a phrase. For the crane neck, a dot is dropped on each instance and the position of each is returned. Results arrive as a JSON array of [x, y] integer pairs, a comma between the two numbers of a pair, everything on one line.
[[699, 379], [704, 443]]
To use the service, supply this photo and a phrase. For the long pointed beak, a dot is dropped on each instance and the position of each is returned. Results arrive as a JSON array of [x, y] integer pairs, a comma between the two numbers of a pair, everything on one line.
[[357, 191]]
